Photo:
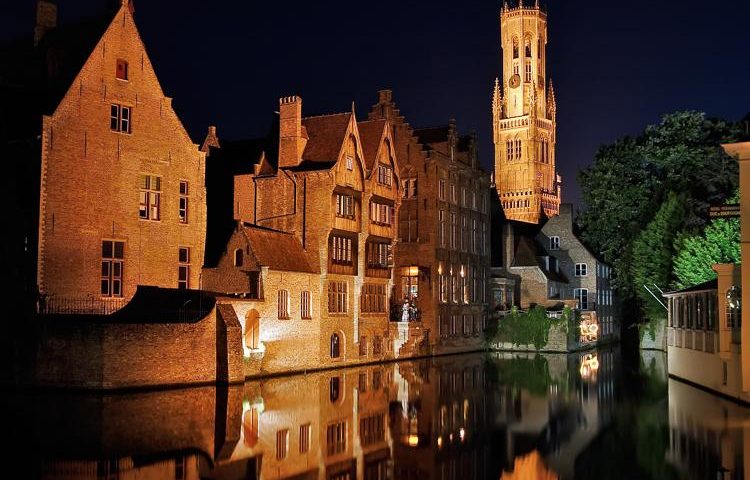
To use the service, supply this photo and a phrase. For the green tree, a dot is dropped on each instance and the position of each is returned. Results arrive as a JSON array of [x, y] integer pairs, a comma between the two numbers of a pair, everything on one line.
[[696, 254], [652, 254], [631, 179]]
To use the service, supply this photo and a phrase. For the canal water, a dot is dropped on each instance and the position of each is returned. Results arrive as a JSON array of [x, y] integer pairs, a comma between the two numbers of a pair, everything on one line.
[[476, 416]]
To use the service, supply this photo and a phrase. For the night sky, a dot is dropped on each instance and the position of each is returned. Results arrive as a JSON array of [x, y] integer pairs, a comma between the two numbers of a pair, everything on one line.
[[617, 66]]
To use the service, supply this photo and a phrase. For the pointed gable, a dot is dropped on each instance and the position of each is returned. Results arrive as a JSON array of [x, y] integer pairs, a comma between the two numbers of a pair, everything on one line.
[[325, 137], [371, 134]]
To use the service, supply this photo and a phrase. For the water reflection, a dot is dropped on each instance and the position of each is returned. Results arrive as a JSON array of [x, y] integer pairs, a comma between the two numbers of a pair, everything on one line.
[[509, 416]]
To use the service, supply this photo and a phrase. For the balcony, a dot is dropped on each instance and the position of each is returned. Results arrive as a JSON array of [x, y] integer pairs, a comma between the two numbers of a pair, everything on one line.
[[403, 313]]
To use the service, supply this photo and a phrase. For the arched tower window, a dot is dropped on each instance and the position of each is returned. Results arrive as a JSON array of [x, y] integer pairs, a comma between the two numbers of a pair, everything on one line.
[[527, 47], [540, 49], [515, 47], [335, 346], [238, 257]]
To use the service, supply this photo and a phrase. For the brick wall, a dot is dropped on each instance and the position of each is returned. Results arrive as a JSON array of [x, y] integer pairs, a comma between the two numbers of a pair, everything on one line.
[[91, 176]]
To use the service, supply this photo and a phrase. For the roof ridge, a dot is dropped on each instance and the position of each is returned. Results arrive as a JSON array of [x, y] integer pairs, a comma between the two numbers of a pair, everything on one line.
[[261, 227], [327, 115]]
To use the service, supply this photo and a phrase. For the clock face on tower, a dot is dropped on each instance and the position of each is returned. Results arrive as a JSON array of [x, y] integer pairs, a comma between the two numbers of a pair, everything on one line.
[[515, 81]]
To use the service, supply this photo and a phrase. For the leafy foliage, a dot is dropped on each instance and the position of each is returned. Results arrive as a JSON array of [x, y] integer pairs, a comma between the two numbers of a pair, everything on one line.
[[652, 254], [532, 327], [631, 179], [696, 254]]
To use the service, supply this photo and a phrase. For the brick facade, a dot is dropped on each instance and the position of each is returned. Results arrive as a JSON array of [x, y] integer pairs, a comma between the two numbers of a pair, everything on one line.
[[441, 179], [106, 136]]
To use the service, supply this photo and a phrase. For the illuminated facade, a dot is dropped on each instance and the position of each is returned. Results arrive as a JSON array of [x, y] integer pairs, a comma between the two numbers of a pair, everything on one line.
[[524, 113], [122, 196]]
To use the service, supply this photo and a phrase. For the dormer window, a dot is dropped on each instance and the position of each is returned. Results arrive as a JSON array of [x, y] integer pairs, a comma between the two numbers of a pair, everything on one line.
[[121, 71]]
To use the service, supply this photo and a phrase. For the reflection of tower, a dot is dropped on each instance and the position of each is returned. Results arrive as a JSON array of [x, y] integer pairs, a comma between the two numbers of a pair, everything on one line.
[[524, 121]]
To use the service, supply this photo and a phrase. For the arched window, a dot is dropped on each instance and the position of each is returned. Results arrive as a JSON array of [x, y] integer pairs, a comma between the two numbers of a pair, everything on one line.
[[238, 257], [540, 48], [334, 388], [252, 329], [527, 47], [335, 346], [515, 47]]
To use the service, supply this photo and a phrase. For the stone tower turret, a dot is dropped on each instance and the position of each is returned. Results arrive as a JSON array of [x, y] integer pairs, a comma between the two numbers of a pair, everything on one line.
[[524, 118]]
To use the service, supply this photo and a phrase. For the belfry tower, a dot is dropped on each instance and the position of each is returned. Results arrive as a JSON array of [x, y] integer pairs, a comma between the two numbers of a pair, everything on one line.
[[524, 118]]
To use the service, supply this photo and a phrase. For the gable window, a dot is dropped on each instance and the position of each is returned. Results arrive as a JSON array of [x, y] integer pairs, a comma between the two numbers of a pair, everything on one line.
[[349, 162], [238, 257], [119, 118], [184, 190], [385, 175], [581, 270], [380, 213], [554, 243], [342, 250], [113, 260], [283, 306], [183, 268], [150, 198], [337, 297], [305, 305], [582, 297], [122, 69], [344, 205]]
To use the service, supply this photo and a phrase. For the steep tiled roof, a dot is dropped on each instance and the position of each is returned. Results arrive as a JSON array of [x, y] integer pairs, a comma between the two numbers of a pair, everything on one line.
[[277, 250], [370, 134], [528, 252], [325, 137]]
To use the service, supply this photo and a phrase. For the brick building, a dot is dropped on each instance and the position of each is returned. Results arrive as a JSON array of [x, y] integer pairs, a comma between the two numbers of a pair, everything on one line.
[[121, 184], [442, 258], [333, 184]]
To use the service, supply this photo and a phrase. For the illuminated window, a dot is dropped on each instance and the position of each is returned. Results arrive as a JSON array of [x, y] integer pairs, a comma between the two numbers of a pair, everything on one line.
[[344, 205], [515, 47], [381, 214], [252, 330], [373, 298], [337, 297], [150, 198], [184, 191], [122, 69], [119, 118], [342, 250], [349, 162], [283, 304], [113, 260], [305, 305], [183, 268], [385, 175]]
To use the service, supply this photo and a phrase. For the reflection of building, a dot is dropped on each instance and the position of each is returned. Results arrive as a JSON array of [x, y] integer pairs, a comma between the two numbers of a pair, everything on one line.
[[708, 436], [524, 115], [442, 255], [122, 198]]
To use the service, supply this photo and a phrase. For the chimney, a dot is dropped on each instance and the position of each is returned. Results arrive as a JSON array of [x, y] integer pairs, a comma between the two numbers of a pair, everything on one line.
[[46, 19], [291, 141]]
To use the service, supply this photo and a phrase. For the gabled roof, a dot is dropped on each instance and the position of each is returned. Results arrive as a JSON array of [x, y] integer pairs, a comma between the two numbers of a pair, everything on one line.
[[371, 135], [528, 253], [325, 137], [277, 250]]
